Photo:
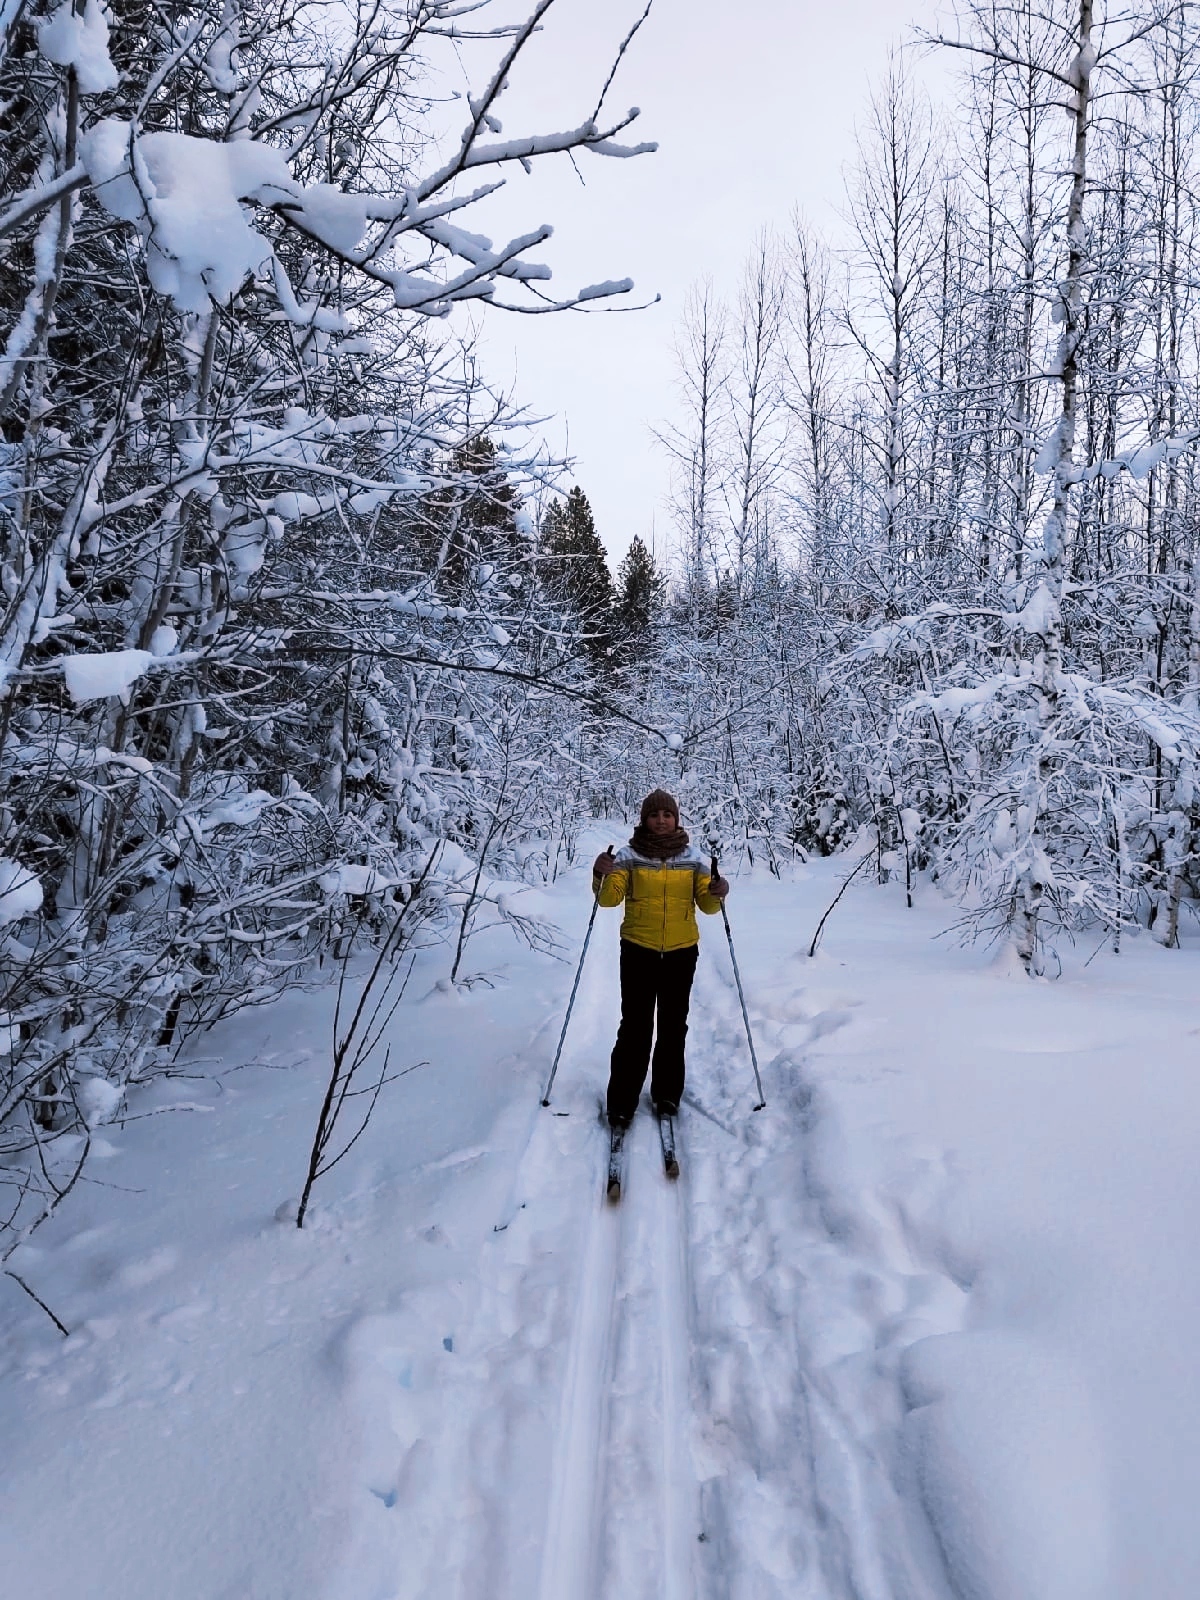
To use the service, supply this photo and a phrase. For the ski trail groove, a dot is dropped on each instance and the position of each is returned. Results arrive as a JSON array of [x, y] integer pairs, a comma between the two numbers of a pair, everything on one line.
[[680, 1521], [650, 1517], [571, 1547]]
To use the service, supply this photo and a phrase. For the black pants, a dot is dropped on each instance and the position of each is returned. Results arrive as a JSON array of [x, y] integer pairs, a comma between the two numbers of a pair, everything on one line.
[[650, 979]]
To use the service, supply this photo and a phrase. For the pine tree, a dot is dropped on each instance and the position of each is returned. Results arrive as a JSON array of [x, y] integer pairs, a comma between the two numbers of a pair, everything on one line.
[[575, 569], [641, 591]]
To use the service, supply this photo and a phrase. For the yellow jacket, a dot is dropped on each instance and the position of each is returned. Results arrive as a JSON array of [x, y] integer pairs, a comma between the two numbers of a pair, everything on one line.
[[660, 898]]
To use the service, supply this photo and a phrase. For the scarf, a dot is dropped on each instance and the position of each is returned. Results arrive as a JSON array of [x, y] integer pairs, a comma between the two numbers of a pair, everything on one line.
[[656, 848]]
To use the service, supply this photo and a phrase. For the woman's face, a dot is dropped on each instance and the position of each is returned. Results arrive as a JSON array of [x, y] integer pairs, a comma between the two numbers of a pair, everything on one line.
[[661, 823]]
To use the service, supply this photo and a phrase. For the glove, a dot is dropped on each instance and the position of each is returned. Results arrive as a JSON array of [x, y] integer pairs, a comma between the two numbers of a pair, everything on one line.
[[604, 863]]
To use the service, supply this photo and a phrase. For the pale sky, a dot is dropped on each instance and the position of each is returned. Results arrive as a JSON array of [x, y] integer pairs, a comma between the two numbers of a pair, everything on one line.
[[754, 108]]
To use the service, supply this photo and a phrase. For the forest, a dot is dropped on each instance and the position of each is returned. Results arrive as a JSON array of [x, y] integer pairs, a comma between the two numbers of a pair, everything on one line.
[[305, 647]]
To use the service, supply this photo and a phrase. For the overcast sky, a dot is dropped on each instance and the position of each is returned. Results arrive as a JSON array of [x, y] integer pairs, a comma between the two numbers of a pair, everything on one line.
[[754, 107]]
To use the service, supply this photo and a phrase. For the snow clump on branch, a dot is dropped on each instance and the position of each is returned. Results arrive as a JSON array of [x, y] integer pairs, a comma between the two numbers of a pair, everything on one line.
[[80, 40]]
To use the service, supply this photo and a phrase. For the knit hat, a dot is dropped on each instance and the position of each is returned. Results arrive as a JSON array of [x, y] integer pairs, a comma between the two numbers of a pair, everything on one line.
[[659, 800]]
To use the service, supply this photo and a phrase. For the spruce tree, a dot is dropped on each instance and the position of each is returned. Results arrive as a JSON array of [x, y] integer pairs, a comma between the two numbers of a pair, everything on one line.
[[575, 570], [471, 526], [640, 594]]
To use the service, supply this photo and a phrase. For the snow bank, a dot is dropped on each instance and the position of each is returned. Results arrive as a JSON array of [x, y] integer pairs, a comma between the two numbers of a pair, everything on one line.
[[924, 1326], [1010, 1467]]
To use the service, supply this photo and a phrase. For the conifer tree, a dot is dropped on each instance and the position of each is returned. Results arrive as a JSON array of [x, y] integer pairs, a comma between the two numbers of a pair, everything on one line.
[[641, 590], [474, 522], [575, 569]]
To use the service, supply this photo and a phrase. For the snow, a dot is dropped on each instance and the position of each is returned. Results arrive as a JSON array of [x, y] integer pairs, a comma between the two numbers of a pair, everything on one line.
[[99, 1100], [1143, 461], [80, 41], [185, 201], [338, 218], [924, 1326], [351, 879], [1038, 612], [954, 702], [611, 286], [20, 892], [1047, 457], [110, 672], [237, 810], [164, 641], [369, 500], [218, 63], [294, 506], [245, 547]]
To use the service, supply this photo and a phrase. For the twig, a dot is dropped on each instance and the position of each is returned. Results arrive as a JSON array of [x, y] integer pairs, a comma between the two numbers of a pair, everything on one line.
[[846, 882], [625, 43], [65, 1331]]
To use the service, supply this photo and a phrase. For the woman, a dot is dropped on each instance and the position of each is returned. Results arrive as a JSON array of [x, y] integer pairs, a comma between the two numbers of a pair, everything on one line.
[[662, 881]]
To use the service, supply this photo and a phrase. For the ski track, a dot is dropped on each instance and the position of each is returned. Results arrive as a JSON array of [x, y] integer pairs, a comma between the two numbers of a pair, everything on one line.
[[649, 1517], [692, 1394], [681, 1503], [803, 1299], [579, 1474]]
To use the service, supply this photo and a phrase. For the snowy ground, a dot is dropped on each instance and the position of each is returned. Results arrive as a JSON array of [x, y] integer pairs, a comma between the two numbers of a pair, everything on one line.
[[924, 1327]]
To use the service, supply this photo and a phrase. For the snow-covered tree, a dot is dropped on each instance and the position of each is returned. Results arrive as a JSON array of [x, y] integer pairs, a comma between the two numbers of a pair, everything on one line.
[[975, 629], [574, 569], [638, 607], [270, 615]]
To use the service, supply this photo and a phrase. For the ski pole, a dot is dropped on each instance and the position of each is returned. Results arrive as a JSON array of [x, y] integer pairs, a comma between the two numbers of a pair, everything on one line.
[[762, 1100], [574, 991]]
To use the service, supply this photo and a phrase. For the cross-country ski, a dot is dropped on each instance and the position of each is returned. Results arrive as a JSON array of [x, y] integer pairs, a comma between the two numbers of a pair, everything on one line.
[[666, 1139], [616, 1163]]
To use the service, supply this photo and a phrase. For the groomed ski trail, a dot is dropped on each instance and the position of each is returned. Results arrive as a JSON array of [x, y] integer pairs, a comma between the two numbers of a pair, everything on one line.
[[623, 1514], [690, 1394], [649, 1517], [578, 1472], [681, 1503]]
